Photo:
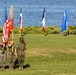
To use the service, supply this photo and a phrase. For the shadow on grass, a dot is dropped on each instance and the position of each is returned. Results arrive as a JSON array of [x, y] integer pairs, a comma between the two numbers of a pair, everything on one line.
[[6, 67], [17, 66], [26, 66]]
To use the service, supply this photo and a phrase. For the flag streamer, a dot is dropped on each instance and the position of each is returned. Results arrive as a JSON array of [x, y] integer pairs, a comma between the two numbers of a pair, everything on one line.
[[20, 25]]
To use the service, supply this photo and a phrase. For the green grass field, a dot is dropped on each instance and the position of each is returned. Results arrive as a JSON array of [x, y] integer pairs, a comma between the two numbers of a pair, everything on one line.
[[47, 55]]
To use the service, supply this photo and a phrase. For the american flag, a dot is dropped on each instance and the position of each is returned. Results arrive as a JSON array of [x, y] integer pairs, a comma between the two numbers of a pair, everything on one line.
[[8, 26], [4, 37]]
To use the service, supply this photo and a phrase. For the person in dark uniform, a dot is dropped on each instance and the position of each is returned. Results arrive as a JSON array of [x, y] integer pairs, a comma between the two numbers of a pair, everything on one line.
[[21, 47], [2, 57], [11, 56]]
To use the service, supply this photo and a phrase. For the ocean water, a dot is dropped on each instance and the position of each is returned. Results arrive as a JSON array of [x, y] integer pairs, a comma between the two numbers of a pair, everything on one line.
[[32, 11]]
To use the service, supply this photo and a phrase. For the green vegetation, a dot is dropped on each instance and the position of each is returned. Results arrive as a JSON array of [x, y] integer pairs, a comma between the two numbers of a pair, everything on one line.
[[49, 30], [47, 55]]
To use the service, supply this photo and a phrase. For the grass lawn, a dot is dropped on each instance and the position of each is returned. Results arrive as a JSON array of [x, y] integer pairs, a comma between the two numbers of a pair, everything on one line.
[[47, 55]]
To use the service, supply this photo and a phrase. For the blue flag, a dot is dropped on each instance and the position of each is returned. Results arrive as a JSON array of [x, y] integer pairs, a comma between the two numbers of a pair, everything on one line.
[[64, 21]]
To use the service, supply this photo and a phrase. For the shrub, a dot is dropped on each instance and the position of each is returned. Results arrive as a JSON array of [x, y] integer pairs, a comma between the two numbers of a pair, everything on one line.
[[38, 30]]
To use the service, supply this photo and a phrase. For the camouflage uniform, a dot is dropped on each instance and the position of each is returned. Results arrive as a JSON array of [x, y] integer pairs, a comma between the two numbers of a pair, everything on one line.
[[11, 55], [2, 57], [21, 53]]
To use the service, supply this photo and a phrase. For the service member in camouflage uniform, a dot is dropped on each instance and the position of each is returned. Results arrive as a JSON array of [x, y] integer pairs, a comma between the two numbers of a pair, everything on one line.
[[11, 54], [21, 52], [2, 57]]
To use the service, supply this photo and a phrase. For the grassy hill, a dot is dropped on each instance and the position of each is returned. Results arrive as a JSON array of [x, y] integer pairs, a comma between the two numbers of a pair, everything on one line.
[[47, 55]]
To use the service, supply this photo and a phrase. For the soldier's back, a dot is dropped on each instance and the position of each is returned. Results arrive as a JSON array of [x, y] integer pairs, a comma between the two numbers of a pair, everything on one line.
[[20, 47]]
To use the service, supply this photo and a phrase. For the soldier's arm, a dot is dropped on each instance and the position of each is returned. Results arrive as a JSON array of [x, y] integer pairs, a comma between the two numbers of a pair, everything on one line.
[[24, 47]]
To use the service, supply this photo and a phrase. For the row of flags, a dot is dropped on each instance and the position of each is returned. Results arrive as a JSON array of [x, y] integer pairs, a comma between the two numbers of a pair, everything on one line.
[[9, 24], [63, 22]]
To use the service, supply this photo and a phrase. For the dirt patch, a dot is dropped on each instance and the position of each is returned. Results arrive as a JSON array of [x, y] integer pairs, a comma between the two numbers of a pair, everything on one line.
[[46, 52]]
